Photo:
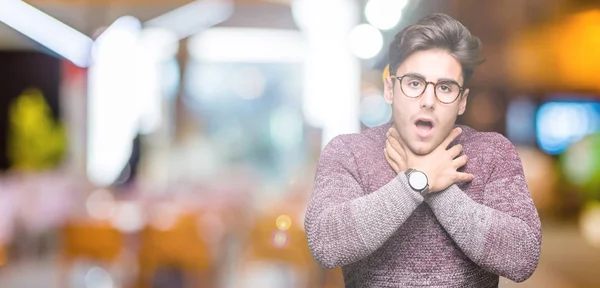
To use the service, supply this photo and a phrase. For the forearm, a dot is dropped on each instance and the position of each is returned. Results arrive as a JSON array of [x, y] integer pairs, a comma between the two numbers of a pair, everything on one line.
[[496, 241], [342, 234]]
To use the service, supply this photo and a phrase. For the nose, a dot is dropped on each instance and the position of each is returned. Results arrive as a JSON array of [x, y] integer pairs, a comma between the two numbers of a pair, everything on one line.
[[428, 97]]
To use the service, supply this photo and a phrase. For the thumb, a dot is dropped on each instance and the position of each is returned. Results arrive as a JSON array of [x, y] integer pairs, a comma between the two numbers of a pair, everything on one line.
[[464, 177]]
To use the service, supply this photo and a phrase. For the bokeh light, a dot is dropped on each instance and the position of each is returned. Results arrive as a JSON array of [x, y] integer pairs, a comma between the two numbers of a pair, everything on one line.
[[365, 41], [581, 165], [384, 14], [374, 111], [559, 124], [98, 277], [100, 204], [589, 223], [280, 239], [283, 222]]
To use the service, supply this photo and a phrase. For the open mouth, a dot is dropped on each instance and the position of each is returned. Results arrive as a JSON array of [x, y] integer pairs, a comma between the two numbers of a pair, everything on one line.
[[424, 126]]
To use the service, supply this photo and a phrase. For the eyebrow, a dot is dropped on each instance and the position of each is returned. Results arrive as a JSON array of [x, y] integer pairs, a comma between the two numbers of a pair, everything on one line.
[[417, 75]]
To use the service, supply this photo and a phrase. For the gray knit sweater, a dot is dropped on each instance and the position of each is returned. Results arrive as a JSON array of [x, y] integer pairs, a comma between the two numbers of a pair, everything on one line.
[[364, 217]]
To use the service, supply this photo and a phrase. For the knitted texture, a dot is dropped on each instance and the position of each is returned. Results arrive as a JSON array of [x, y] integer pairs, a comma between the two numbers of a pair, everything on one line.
[[364, 217]]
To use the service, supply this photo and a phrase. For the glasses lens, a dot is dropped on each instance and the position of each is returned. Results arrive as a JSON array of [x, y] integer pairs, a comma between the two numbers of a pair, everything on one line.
[[447, 92], [413, 86]]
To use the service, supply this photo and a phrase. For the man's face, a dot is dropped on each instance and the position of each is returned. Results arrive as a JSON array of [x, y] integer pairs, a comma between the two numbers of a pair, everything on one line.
[[424, 122]]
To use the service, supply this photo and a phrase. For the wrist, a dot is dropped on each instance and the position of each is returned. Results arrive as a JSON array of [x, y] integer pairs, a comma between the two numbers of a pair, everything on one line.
[[432, 188]]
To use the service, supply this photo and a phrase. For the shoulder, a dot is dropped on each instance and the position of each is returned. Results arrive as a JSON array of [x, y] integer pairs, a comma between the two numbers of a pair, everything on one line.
[[494, 148], [358, 142], [492, 142]]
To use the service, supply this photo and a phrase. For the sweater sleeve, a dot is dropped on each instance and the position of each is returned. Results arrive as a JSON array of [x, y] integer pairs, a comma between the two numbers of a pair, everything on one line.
[[343, 223], [503, 235]]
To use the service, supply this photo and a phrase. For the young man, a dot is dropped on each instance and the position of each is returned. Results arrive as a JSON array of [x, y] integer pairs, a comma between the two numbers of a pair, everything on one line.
[[422, 201]]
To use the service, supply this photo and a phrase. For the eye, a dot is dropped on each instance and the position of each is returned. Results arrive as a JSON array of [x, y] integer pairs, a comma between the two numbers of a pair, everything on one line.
[[446, 88], [414, 84]]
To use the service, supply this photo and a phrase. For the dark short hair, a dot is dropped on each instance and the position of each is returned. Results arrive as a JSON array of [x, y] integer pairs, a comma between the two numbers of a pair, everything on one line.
[[437, 31]]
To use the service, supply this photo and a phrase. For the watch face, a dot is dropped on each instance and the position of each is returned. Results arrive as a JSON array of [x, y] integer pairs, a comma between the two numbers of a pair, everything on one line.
[[418, 180]]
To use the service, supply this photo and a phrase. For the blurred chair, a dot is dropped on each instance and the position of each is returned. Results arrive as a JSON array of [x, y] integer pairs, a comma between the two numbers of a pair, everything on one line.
[[3, 255], [92, 240], [179, 249], [276, 242], [332, 278]]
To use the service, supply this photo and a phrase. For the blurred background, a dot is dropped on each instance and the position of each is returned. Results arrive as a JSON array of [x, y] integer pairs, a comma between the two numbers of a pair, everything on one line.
[[149, 143]]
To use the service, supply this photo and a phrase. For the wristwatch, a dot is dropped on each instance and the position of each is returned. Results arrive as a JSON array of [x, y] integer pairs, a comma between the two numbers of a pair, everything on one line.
[[418, 181]]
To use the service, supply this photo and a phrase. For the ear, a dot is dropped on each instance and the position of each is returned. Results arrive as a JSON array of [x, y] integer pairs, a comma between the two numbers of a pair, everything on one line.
[[388, 90], [462, 105]]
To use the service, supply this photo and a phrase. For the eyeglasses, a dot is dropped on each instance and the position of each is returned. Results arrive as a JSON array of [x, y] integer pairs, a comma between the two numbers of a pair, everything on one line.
[[413, 86]]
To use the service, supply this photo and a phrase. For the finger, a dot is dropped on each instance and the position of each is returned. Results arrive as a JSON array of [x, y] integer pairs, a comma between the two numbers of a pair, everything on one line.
[[394, 133], [399, 155], [453, 134], [460, 161], [463, 177], [390, 161], [397, 146], [455, 150], [392, 152]]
